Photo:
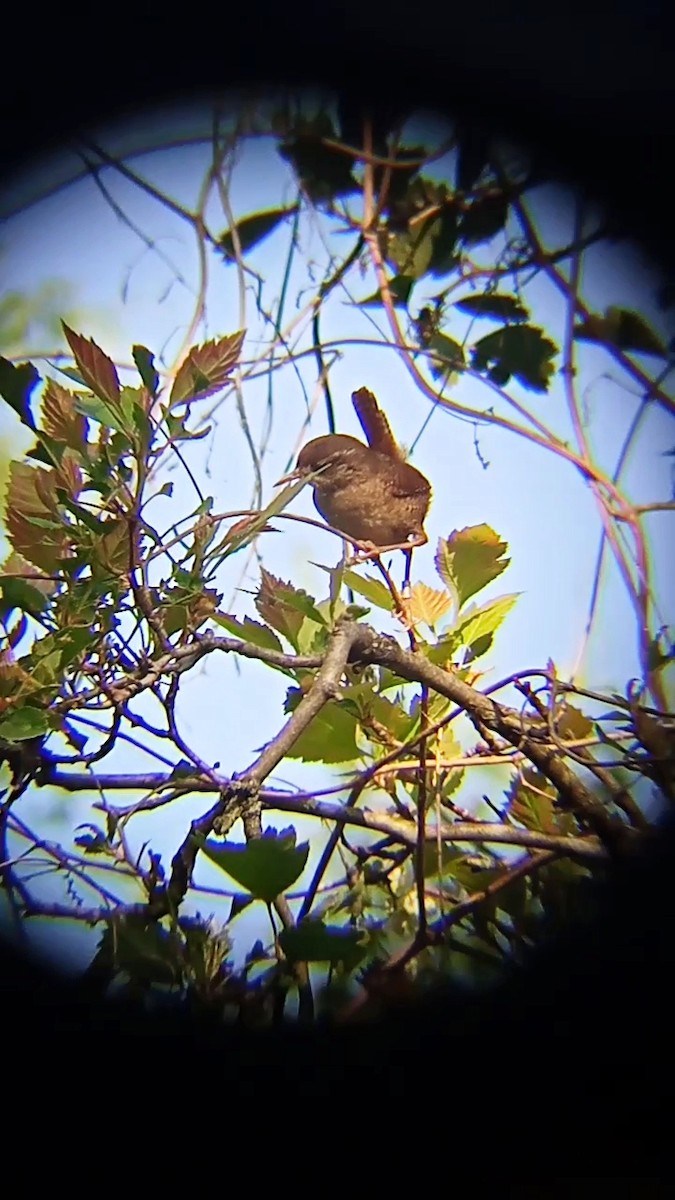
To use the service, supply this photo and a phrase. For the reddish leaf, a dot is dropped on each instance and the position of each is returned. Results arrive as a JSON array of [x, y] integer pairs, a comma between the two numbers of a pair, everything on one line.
[[207, 368], [97, 370], [60, 418], [277, 604], [32, 494]]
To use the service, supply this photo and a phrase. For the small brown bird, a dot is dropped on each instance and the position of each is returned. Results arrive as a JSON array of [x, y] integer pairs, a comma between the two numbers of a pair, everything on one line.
[[369, 493]]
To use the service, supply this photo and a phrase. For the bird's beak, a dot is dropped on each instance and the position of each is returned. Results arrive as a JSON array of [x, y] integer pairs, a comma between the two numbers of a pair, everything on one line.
[[291, 477]]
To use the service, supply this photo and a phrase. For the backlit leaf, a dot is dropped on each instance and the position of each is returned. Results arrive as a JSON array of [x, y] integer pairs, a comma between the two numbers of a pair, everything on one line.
[[207, 368], [24, 723], [371, 589], [250, 631], [97, 370], [330, 738], [265, 866], [428, 604], [60, 417], [469, 559], [482, 622]]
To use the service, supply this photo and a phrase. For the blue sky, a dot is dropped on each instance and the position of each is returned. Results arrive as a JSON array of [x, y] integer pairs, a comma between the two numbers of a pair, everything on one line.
[[537, 502]]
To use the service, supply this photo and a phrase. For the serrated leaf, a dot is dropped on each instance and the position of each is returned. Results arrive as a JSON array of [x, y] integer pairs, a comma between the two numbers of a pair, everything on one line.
[[284, 607], [16, 386], [24, 723], [469, 559], [482, 622], [523, 351], [531, 801], [253, 229], [330, 738], [97, 370], [207, 368], [496, 305], [114, 548], [371, 589], [265, 866], [31, 498], [60, 418], [428, 604], [250, 631], [312, 941], [623, 328], [572, 723], [378, 716], [145, 365]]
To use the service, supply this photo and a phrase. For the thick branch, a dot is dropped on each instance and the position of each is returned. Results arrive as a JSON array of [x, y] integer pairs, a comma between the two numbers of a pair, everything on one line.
[[370, 647]]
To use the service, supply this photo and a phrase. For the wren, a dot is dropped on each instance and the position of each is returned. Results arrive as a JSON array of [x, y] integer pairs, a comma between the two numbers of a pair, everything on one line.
[[368, 493]]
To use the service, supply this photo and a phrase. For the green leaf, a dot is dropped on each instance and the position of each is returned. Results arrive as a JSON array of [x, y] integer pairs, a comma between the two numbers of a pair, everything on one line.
[[573, 723], [484, 218], [253, 229], [412, 252], [331, 736], [479, 623], [99, 411], [497, 305], [312, 941], [265, 866], [16, 386], [372, 589], [145, 363], [24, 723], [469, 559], [284, 607], [250, 631], [447, 358], [623, 328], [531, 802], [519, 350], [400, 287], [25, 593]]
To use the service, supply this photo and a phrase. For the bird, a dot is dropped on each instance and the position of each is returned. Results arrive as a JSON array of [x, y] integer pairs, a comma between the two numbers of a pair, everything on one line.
[[368, 493]]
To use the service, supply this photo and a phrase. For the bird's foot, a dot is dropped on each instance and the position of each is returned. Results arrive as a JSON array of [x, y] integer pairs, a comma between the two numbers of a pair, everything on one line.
[[365, 551]]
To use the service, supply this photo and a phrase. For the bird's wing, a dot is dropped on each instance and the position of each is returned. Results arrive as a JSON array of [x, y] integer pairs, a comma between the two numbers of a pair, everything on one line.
[[408, 481], [375, 425]]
